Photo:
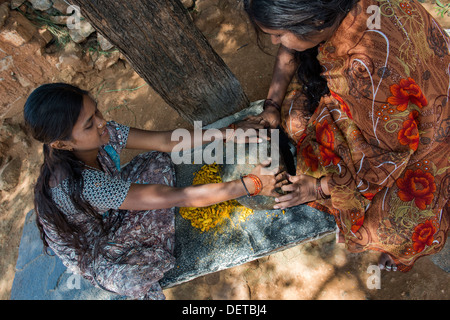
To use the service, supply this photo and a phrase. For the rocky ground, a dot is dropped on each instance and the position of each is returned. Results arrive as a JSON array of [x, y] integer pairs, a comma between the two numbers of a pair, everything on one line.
[[30, 56]]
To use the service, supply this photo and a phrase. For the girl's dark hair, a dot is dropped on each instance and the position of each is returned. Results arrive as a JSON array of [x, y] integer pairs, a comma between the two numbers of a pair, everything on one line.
[[304, 18], [50, 113]]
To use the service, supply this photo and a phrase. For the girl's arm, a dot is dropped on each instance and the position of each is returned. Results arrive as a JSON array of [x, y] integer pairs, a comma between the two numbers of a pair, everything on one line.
[[165, 141], [162, 140], [153, 196], [148, 197]]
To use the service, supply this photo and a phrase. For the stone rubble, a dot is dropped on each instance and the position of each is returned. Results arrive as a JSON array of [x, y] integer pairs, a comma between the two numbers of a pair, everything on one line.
[[30, 56], [29, 53]]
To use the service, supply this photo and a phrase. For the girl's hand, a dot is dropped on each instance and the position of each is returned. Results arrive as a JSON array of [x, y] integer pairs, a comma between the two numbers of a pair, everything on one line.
[[301, 190], [270, 178]]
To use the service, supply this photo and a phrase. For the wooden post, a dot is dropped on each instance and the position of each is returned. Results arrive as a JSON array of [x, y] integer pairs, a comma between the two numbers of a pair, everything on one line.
[[165, 48]]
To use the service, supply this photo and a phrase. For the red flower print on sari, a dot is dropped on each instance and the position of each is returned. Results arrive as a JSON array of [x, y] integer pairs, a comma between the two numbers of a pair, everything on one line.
[[404, 92], [369, 195], [325, 137], [423, 235], [357, 224], [343, 104], [300, 142], [409, 134], [310, 158], [417, 185]]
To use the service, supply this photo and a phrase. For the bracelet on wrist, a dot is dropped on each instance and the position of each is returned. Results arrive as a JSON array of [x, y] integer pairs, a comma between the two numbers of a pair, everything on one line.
[[270, 102], [256, 181], [320, 193], [245, 187]]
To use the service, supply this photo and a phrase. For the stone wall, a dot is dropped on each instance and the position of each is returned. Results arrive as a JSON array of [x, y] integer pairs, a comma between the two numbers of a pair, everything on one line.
[[22, 65]]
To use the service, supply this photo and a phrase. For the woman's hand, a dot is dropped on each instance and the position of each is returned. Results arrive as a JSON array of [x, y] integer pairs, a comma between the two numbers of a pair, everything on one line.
[[270, 178], [243, 132], [248, 129], [301, 190], [269, 118]]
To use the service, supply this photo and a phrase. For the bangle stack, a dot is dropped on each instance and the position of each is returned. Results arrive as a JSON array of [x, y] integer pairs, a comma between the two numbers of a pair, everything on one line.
[[258, 184], [270, 102], [319, 190]]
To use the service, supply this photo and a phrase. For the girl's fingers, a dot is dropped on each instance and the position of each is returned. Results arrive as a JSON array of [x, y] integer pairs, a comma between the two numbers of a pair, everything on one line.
[[273, 193], [254, 139], [266, 162], [280, 177], [280, 184]]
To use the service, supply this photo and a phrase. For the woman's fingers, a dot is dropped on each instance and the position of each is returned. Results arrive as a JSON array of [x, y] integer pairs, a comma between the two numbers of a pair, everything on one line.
[[285, 198], [248, 132], [289, 187], [285, 201]]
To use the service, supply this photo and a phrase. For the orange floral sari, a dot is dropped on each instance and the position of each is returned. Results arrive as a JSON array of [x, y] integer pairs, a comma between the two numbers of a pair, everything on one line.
[[382, 135]]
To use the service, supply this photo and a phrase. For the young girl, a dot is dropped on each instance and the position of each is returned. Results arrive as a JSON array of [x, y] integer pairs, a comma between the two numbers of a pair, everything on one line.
[[114, 225]]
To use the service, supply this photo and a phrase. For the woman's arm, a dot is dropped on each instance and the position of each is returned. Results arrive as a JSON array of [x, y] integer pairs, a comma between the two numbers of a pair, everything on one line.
[[283, 72], [148, 196], [285, 67]]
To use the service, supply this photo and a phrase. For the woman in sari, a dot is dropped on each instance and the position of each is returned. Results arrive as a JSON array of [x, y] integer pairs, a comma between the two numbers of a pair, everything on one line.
[[369, 114]]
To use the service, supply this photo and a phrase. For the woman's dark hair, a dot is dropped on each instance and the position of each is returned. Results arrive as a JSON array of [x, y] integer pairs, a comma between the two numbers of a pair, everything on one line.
[[50, 113], [304, 18]]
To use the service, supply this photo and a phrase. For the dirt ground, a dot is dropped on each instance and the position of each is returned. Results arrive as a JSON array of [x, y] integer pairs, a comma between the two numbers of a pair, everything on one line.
[[319, 269]]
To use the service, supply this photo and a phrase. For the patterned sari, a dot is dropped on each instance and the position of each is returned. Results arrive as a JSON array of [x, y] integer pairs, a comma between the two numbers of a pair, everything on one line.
[[382, 135]]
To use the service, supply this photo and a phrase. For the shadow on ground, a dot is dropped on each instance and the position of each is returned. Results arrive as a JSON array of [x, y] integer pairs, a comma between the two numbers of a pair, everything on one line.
[[316, 270]]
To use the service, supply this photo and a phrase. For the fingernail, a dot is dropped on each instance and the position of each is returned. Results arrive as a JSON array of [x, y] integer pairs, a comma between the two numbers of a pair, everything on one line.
[[276, 200], [275, 207], [260, 140]]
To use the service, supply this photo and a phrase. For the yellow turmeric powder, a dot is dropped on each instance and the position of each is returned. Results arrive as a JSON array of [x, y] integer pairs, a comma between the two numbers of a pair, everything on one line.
[[205, 218]]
